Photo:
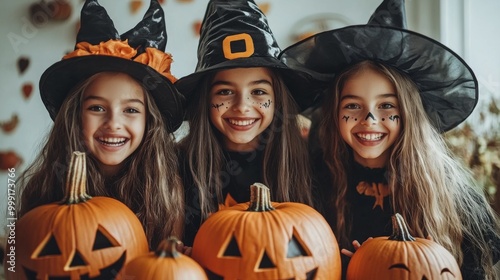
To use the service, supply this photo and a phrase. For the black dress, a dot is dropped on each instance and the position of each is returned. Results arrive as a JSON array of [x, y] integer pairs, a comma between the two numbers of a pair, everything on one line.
[[241, 170], [368, 203]]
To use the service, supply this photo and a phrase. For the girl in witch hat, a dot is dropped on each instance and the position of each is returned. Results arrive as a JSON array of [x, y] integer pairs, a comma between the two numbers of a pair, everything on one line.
[[113, 97], [242, 109], [391, 94]]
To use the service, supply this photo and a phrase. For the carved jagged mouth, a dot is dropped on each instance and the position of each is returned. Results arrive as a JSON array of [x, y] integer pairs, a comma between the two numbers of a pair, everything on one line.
[[309, 275], [107, 273]]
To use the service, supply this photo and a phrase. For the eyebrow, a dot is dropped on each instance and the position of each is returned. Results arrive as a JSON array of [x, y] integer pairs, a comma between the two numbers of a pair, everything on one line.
[[385, 95], [253, 83], [131, 100]]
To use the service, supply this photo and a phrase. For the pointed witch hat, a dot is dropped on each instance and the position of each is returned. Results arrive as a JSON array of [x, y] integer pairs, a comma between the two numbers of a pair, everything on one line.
[[447, 85], [236, 34], [99, 48]]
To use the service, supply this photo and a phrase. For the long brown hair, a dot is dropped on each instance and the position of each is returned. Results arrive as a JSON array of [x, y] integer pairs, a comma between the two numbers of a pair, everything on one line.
[[285, 163], [149, 184], [433, 191]]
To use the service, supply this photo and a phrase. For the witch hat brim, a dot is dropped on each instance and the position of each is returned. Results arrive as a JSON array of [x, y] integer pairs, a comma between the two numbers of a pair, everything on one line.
[[61, 77], [150, 66], [448, 86], [235, 34]]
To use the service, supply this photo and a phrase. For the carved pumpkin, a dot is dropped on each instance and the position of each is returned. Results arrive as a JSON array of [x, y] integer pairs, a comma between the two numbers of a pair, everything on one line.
[[79, 238], [267, 240], [401, 256], [166, 263]]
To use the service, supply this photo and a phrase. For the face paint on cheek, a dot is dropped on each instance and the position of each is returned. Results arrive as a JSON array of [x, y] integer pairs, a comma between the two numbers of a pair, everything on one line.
[[346, 118], [266, 104], [216, 106], [395, 118]]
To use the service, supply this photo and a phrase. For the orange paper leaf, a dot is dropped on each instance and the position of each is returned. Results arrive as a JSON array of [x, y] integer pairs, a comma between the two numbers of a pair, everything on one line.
[[10, 125], [27, 90]]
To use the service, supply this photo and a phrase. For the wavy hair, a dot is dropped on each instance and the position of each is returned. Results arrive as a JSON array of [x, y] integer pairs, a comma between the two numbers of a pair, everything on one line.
[[433, 191], [149, 183], [285, 165]]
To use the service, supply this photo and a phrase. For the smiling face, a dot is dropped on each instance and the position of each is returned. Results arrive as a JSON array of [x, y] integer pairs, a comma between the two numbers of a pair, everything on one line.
[[369, 117], [113, 119], [242, 106]]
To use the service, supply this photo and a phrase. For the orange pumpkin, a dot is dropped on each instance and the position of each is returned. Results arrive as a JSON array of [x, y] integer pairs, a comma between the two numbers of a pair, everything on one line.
[[267, 240], [79, 237], [401, 256], [166, 263]]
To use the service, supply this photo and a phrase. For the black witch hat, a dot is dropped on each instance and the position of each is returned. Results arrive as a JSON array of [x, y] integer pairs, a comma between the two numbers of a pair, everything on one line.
[[235, 33], [99, 48], [448, 86]]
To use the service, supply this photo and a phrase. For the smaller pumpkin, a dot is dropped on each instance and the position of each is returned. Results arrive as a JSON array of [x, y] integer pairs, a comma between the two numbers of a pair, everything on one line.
[[267, 240], [166, 263], [81, 237], [403, 257]]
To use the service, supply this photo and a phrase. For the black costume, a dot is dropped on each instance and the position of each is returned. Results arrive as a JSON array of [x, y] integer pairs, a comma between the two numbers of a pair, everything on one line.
[[242, 169]]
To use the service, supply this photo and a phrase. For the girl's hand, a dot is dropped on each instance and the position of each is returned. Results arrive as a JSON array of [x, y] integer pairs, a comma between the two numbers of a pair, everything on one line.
[[183, 249], [356, 245], [186, 250]]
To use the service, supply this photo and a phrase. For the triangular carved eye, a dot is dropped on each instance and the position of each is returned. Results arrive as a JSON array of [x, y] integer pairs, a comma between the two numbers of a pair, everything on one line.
[[295, 248], [311, 274], [50, 248], [77, 260], [103, 240], [265, 262], [232, 249]]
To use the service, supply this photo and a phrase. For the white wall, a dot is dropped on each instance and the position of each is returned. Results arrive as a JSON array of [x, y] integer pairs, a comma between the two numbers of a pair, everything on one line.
[[46, 43], [471, 29]]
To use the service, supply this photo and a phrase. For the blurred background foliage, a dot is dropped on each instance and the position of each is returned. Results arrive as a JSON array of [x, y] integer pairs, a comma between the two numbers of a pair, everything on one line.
[[480, 148]]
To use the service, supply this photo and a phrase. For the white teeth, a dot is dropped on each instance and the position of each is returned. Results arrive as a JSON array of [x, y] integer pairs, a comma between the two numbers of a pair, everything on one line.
[[241, 122], [112, 141], [371, 136]]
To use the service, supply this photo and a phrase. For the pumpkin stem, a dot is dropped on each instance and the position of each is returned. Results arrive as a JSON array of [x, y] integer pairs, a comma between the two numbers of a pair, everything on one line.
[[168, 248], [399, 229], [260, 198], [76, 181]]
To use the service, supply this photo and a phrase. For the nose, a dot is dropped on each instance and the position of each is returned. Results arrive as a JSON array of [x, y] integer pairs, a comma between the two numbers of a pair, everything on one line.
[[242, 103], [113, 122], [370, 119]]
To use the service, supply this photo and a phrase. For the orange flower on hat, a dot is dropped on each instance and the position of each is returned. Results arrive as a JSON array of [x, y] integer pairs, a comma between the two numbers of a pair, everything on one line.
[[111, 47], [158, 60]]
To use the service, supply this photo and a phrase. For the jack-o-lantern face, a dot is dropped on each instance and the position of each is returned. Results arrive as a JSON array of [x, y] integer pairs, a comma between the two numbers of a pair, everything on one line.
[[403, 257], [80, 240], [283, 241], [94, 238]]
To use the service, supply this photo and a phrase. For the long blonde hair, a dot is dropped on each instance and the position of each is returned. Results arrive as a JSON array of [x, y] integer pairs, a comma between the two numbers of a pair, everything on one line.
[[433, 191], [285, 167], [149, 184]]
